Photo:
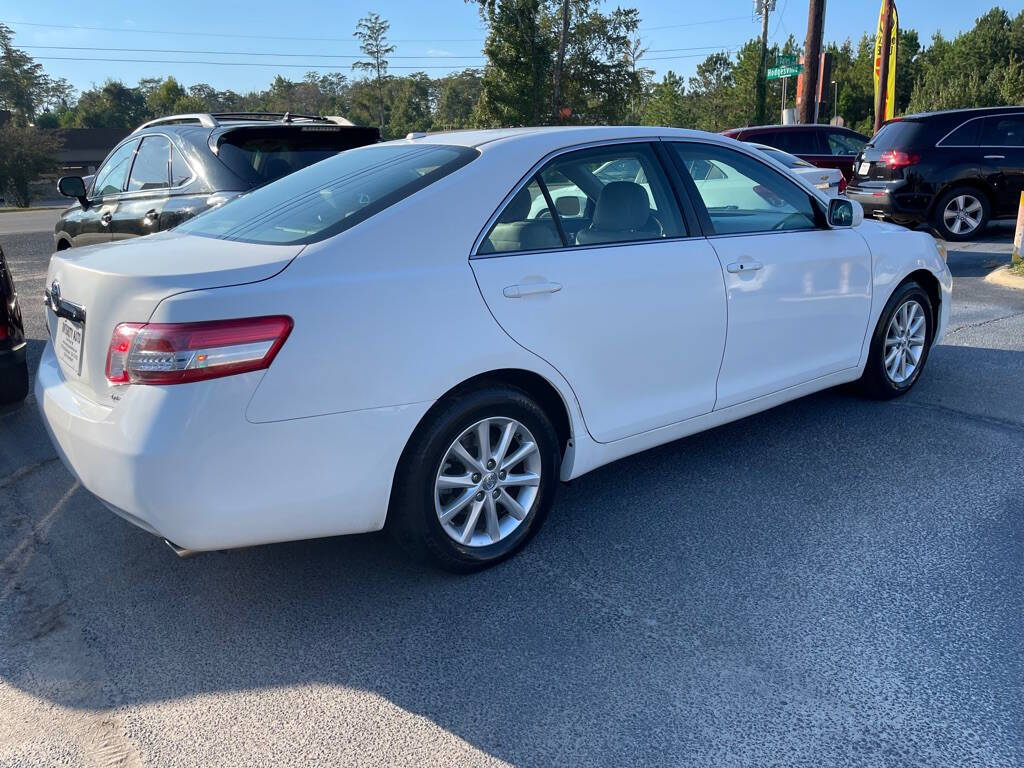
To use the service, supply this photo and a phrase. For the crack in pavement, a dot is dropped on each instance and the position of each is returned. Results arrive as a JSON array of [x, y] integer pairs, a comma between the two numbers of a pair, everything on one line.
[[23, 472], [983, 322]]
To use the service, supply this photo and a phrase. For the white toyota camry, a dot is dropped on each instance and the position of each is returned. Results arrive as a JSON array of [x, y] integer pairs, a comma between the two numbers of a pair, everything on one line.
[[428, 334]]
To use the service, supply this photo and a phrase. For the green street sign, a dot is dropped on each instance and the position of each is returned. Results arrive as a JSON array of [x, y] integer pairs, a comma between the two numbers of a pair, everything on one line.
[[791, 70], [786, 60]]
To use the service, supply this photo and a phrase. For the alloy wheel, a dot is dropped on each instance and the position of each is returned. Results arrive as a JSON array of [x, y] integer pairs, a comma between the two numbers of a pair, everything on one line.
[[962, 215], [488, 482], [904, 342]]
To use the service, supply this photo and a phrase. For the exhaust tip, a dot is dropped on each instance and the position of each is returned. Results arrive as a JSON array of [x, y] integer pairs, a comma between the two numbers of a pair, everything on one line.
[[180, 551]]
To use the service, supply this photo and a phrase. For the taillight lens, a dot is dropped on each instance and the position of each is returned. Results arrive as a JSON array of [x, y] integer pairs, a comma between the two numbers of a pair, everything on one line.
[[897, 158], [176, 353], [842, 184]]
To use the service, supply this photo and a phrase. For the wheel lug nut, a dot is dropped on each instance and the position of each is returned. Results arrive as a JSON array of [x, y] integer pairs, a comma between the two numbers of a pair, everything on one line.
[[496, 493], [476, 477], [480, 496], [502, 475], [490, 463]]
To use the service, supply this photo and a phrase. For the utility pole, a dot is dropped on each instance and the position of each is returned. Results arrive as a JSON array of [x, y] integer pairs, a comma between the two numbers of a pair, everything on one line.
[[764, 7], [812, 55], [883, 66]]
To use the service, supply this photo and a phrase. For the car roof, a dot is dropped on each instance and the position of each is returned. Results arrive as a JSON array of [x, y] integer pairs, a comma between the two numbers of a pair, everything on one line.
[[964, 112], [556, 136]]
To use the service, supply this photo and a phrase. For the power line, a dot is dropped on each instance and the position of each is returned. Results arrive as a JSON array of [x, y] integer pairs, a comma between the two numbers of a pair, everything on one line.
[[191, 33], [229, 63], [694, 23], [239, 53]]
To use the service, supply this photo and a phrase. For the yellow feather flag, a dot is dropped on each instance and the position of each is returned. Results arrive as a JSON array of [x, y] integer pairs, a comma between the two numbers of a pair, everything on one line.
[[890, 90]]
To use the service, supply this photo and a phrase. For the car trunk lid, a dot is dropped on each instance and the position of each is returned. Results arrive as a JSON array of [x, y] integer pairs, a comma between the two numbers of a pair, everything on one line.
[[124, 282]]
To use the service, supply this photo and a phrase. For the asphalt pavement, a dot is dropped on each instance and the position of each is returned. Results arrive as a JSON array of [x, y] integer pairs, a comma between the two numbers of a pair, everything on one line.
[[836, 582]]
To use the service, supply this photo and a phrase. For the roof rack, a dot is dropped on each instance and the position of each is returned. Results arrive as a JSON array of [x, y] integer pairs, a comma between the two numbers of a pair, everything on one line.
[[204, 119], [215, 119]]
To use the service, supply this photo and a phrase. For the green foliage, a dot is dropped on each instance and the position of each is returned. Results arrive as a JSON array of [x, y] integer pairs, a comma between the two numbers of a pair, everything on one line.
[[372, 33], [25, 90], [25, 153]]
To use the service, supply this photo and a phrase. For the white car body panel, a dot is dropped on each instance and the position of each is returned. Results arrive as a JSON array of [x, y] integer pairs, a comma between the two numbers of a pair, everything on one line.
[[392, 314]]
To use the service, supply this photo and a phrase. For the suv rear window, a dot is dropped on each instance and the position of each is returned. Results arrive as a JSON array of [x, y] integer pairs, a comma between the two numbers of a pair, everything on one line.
[[900, 134], [261, 155], [330, 197]]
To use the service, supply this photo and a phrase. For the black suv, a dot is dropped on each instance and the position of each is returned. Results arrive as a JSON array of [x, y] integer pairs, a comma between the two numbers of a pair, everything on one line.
[[13, 367], [170, 169], [954, 170]]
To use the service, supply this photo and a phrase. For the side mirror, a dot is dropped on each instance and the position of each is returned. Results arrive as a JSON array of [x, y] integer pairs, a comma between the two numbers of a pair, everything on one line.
[[843, 212], [568, 206], [72, 186]]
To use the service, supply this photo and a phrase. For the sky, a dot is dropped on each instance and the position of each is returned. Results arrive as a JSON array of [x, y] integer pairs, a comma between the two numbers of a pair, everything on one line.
[[436, 36]]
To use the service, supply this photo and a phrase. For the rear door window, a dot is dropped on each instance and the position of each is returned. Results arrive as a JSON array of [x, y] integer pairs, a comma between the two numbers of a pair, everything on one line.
[[966, 135], [1003, 131], [111, 177], [151, 167], [797, 142], [327, 198], [260, 155], [844, 144]]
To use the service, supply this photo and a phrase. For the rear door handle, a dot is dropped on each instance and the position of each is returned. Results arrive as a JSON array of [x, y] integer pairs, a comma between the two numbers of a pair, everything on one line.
[[150, 217], [744, 266], [530, 289], [105, 219]]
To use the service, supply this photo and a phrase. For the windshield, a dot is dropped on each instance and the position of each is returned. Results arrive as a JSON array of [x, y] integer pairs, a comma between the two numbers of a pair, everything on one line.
[[900, 134], [331, 196]]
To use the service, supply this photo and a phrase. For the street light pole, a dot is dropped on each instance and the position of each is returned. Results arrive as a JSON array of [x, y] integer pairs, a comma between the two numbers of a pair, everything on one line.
[[835, 100]]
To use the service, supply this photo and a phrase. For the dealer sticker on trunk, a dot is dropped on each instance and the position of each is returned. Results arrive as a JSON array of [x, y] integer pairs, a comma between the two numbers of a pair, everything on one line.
[[69, 344]]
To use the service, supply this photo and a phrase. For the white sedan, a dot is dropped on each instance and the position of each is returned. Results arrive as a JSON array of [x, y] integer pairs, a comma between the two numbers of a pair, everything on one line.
[[413, 335]]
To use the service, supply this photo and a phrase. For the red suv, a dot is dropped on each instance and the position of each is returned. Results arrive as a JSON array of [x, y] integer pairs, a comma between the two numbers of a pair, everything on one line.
[[826, 146]]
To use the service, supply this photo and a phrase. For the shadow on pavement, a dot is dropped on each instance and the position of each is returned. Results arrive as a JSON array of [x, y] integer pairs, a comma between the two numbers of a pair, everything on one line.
[[837, 566]]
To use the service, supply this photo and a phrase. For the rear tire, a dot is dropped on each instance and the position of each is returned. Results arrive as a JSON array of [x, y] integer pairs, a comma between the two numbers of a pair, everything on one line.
[[900, 343], [961, 214], [14, 383], [444, 468]]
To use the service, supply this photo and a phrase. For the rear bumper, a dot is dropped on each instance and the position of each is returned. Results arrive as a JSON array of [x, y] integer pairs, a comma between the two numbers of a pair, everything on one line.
[[182, 462], [891, 201], [12, 358]]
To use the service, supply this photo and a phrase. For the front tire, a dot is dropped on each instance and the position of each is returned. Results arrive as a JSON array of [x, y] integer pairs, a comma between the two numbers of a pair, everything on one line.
[[477, 479], [900, 343]]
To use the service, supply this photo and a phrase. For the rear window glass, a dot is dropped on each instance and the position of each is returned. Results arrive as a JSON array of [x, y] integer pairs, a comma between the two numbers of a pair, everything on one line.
[[329, 197], [788, 160], [262, 155], [898, 135]]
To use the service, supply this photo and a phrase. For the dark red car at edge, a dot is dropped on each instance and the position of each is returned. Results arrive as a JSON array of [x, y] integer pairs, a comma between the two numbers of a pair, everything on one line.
[[13, 367], [826, 146]]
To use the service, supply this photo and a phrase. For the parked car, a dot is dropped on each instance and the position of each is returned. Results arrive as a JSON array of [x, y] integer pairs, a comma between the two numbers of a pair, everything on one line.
[[403, 335], [829, 180], [826, 146], [13, 368], [955, 170], [170, 169]]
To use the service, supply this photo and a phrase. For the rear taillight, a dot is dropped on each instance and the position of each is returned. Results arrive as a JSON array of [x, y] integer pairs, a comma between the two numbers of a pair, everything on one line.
[[842, 184], [897, 158], [176, 353]]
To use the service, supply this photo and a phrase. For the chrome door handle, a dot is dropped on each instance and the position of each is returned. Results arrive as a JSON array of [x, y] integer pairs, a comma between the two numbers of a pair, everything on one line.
[[530, 289], [995, 157], [744, 266], [105, 219], [150, 217]]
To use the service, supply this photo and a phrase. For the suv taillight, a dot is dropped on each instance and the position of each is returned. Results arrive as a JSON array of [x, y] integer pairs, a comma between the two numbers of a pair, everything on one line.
[[176, 353], [897, 158]]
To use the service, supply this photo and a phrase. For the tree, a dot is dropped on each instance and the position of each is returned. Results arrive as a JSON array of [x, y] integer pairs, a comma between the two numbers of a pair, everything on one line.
[[372, 33], [115, 105], [411, 104], [25, 153], [712, 90], [25, 90], [667, 104], [167, 97], [518, 48], [457, 95]]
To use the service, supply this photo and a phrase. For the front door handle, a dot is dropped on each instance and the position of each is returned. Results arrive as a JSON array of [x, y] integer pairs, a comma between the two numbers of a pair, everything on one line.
[[150, 217], [744, 266], [530, 289], [105, 219], [995, 157]]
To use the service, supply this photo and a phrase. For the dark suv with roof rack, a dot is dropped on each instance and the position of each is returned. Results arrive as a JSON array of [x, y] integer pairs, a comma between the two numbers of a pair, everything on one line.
[[170, 169], [955, 170]]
